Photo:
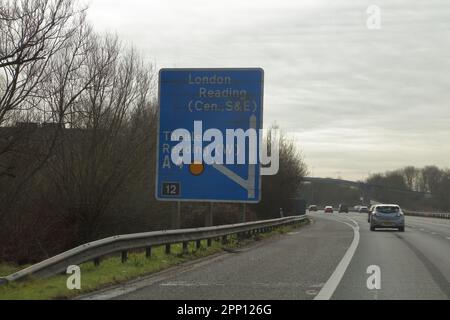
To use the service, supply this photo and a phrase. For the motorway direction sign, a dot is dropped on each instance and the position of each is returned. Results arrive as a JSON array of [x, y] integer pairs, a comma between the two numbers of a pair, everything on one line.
[[205, 101]]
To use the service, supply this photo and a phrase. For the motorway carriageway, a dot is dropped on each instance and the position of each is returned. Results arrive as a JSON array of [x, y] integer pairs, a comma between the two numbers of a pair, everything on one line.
[[327, 259]]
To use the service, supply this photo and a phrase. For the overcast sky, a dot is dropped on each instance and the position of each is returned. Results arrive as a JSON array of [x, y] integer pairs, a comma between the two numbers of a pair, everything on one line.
[[358, 101]]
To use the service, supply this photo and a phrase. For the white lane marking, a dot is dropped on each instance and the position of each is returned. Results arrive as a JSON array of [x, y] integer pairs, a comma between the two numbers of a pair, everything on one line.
[[188, 284], [311, 292], [330, 286], [448, 238]]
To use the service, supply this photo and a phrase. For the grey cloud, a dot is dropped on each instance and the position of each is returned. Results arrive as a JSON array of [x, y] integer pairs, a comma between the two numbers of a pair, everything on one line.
[[343, 90]]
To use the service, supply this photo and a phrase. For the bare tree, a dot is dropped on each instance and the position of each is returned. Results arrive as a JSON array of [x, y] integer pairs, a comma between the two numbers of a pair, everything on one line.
[[279, 190], [431, 176], [103, 147], [411, 177], [32, 34]]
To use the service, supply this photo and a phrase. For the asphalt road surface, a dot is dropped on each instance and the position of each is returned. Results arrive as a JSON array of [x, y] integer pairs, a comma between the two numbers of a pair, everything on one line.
[[328, 259]]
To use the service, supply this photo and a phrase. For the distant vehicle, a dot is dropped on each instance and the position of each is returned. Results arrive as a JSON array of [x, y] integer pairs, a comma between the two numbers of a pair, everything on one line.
[[313, 208], [387, 216], [363, 209], [368, 213], [329, 209], [343, 208]]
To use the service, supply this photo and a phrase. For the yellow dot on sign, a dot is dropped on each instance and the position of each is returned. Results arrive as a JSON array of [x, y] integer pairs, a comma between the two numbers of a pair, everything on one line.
[[196, 169]]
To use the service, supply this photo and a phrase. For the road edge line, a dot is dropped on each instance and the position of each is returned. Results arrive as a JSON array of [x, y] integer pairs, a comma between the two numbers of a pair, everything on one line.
[[331, 285]]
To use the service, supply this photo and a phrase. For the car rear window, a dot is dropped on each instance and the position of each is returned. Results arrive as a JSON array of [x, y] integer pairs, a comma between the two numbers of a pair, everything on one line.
[[388, 209]]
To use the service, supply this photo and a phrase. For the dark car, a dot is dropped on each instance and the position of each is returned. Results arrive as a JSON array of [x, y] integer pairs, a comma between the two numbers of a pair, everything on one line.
[[343, 208]]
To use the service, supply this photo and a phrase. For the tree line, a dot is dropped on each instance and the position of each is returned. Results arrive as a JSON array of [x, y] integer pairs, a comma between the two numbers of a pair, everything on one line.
[[78, 125], [430, 179]]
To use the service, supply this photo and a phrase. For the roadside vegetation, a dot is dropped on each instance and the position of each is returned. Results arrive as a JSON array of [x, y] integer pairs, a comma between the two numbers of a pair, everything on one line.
[[112, 271]]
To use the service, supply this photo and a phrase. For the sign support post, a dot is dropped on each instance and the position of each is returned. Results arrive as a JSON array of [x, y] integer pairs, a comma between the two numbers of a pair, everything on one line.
[[209, 220], [176, 216]]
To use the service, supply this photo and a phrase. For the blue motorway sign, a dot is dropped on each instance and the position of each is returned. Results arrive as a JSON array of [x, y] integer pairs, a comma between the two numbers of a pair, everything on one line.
[[202, 115]]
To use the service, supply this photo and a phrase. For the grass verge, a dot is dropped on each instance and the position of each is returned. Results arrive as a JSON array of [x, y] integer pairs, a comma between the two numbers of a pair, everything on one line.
[[112, 271]]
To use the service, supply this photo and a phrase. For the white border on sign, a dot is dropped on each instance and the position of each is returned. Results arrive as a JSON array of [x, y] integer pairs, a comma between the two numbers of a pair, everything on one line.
[[175, 199]]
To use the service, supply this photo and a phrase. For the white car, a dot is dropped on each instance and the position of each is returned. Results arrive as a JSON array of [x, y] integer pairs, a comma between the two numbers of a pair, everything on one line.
[[363, 209]]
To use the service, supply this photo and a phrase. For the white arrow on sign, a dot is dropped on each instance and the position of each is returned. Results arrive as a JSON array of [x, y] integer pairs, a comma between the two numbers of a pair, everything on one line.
[[250, 182]]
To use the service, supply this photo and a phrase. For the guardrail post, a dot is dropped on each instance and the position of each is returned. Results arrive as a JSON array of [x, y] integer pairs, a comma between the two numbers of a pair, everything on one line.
[[224, 239], [96, 262], [185, 247], [124, 256], [148, 252], [168, 248], [199, 244], [209, 242]]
